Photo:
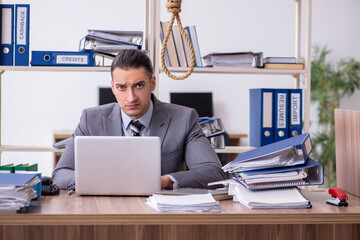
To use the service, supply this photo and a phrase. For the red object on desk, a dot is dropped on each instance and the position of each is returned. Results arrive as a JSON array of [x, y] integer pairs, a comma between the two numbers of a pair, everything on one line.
[[339, 197], [339, 193]]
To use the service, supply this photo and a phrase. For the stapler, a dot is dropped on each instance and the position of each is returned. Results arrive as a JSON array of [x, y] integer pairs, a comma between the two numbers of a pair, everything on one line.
[[339, 197]]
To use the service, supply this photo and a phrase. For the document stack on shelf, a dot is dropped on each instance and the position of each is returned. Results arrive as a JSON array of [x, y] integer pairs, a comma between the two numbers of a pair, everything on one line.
[[214, 130], [184, 203], [106, 44], [281, 164], [16, 190], [282, 63], [233, 59]]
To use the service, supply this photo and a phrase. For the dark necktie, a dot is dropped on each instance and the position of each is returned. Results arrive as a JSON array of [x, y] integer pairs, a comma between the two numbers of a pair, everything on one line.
[[135, 127]]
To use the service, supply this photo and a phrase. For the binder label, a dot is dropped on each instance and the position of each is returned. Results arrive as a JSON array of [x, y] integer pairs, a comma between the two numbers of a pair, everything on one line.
[[72, 59], [295, 108], [21, 25], [281, 114], [267, 109], [6, 26]]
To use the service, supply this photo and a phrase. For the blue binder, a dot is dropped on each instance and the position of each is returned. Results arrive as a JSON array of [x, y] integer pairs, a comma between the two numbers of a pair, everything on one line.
[[276, 149], [281, 114], [313, 169], [22, 31], [295, 113], [194, 41], [58, 58], [261, 117], [7, 34], [20, 179]]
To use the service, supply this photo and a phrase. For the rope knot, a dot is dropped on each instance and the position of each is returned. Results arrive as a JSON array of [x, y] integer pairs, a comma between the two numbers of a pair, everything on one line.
[[173, 6]]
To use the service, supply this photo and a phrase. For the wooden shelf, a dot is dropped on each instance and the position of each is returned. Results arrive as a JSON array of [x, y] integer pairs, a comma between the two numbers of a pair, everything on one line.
[[239, 71], [54, 69], [14, 148]]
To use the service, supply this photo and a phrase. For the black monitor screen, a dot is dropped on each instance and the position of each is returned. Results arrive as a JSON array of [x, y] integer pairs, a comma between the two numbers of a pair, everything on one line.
[[201, 101], [106, 96]]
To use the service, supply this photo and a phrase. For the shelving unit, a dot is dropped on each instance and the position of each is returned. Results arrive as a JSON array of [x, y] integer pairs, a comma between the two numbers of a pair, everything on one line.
[[152, 43], [297, 74]]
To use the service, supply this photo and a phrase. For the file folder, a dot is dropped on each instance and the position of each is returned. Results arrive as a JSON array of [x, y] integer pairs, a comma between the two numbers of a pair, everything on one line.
[[295, 113], [7, 34], [261, 117], [291, 151], [58, 58], [22, 30], [281, 114]]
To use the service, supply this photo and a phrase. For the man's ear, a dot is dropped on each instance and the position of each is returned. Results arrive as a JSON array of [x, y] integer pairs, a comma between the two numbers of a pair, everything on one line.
[[153, 83]]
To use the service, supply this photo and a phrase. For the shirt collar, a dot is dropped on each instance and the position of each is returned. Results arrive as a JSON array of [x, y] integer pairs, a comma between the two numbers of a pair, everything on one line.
[[144, 119]]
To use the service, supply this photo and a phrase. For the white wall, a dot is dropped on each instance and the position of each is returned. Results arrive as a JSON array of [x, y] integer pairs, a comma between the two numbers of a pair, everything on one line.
[[34, 104]]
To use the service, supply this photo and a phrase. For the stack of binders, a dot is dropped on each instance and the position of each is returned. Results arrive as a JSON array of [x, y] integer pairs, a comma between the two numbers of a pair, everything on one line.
[[14, 34], [17, 190], [281, 164], [275, 115], [233, 59], [282, 63], [24, 168], [106, 44]]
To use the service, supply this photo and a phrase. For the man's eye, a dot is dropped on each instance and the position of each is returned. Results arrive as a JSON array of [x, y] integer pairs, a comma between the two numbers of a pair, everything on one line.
[[121, 87], [139, 85]]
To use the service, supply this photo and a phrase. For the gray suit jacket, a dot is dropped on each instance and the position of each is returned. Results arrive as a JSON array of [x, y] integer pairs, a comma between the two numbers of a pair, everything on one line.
[[182, 140]]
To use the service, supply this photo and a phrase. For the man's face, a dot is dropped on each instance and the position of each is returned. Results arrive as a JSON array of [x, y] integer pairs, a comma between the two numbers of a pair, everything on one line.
[[132, 89]]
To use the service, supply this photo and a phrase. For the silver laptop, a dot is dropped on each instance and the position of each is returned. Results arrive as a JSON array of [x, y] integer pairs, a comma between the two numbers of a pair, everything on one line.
[[107, 165]]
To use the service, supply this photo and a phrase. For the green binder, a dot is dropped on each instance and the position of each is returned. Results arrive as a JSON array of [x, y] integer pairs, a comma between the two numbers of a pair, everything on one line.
[[8, 168], [26, 167]]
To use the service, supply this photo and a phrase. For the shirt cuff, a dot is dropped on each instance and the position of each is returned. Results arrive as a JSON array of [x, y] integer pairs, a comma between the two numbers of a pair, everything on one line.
[[176, 184]]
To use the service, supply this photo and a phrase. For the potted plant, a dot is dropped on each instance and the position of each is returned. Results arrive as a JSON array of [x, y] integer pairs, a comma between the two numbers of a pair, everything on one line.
[[330, 83]]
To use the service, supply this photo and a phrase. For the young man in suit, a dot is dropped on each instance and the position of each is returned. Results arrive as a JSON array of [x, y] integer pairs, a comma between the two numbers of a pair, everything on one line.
[[182, 140]]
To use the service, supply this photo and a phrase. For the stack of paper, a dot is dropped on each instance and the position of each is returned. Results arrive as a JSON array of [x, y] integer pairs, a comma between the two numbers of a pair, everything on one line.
[[16, 190], [185, 203], [272, 198]]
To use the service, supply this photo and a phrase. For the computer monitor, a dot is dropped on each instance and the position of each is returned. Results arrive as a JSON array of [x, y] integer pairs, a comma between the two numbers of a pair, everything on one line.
[[106, 96], [201, 101]]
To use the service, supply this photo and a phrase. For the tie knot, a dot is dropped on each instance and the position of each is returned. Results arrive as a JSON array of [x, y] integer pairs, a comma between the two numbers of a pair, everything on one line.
[[135, 127]]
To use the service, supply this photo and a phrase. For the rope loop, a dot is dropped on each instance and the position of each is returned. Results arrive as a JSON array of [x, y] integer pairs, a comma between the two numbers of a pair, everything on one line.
[[174, 7]]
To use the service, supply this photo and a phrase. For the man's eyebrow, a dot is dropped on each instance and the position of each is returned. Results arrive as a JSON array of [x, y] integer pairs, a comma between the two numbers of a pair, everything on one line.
[[139, 82]]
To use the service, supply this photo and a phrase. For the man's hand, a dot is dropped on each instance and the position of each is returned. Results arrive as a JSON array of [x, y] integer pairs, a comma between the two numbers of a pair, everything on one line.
[[166, 182]]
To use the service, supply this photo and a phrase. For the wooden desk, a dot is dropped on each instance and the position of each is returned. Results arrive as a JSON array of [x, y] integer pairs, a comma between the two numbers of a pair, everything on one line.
[[76, 217]]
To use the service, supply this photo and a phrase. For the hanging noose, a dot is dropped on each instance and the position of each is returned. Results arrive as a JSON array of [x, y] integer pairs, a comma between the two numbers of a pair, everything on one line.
[[174, 7]]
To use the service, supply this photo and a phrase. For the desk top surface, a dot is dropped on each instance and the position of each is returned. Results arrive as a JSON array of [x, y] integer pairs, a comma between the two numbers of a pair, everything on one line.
[[75, 209]]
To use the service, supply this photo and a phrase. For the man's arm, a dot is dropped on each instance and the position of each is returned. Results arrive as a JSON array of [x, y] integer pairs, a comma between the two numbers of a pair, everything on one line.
[[64, 173], [201, 159]]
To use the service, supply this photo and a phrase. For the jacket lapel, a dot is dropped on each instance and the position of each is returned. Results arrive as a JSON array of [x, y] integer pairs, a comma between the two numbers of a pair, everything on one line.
[[160, 120], [113, 123]]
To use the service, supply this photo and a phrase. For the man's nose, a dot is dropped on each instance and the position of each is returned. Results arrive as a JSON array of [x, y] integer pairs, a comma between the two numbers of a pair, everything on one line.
[[131, 97]]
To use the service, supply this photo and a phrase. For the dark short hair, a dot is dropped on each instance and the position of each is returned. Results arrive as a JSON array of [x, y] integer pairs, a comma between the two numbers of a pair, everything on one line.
[[130, 58]]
